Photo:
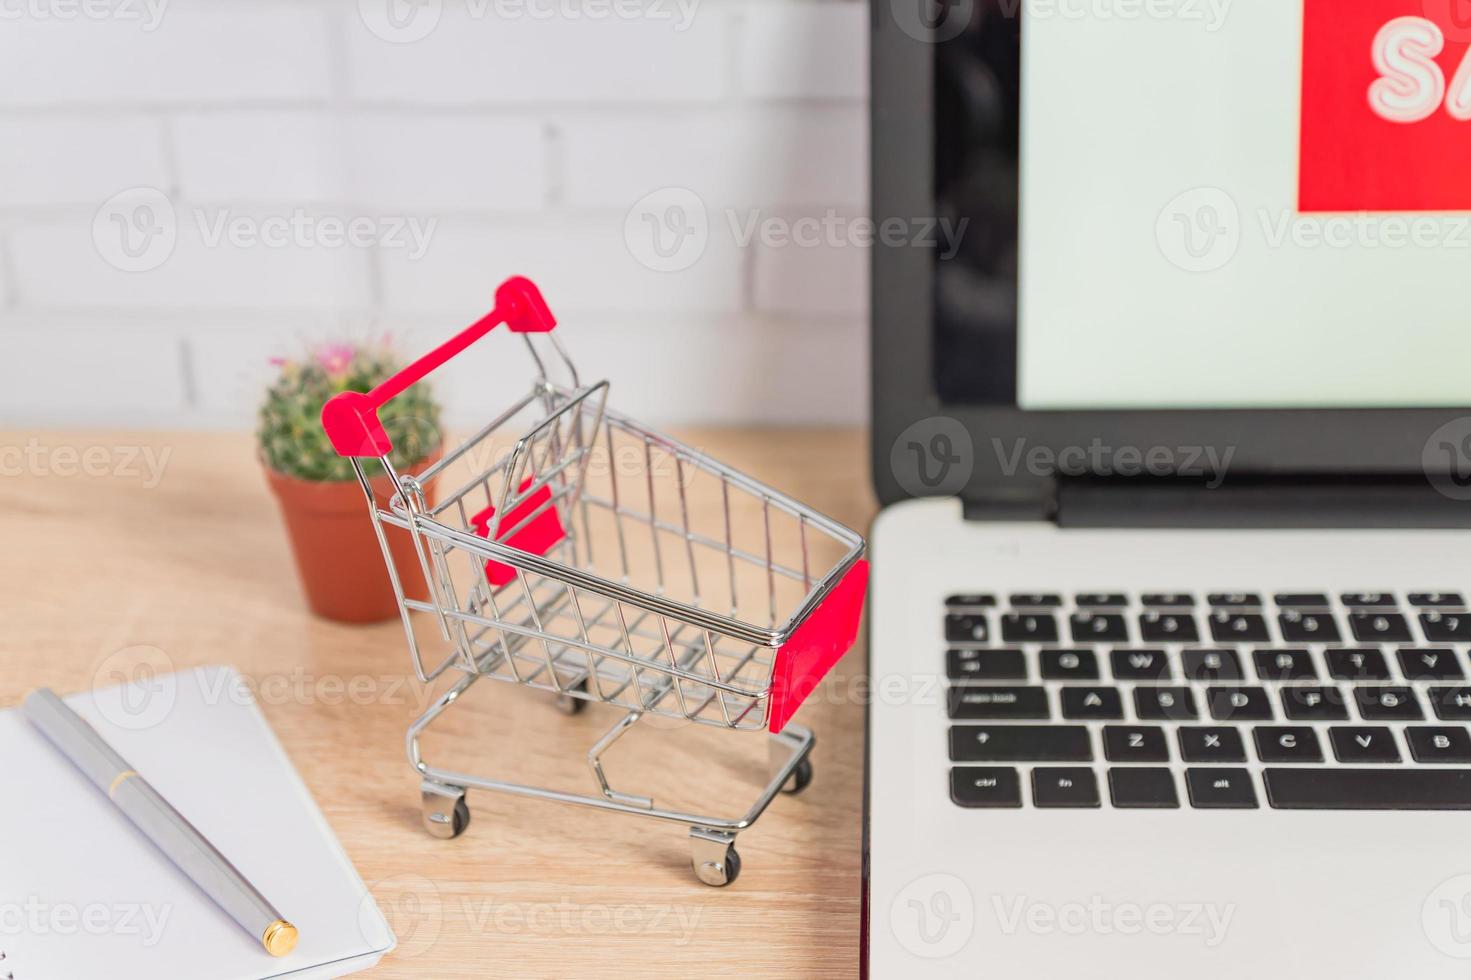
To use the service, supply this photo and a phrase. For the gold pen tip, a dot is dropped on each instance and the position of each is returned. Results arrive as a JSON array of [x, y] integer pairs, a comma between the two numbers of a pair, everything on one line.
[[280, 938]]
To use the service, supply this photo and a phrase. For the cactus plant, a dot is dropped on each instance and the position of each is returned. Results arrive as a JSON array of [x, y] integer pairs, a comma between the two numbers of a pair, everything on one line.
[[291, 438]]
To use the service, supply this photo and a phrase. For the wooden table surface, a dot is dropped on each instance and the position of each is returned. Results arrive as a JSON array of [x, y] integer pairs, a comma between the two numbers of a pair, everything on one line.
[[123, 549]]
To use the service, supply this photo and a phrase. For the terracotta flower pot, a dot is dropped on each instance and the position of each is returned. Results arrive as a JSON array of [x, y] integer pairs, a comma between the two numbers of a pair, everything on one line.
[[337, 553]]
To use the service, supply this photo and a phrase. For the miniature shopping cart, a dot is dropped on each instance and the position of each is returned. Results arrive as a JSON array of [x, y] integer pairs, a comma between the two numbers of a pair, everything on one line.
[[574, 550]]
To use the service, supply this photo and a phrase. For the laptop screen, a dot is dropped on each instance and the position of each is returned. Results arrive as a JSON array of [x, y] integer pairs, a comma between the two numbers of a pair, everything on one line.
[[1205, 204]]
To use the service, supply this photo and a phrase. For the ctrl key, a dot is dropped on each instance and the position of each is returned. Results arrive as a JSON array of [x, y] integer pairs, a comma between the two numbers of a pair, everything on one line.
[[1220, 789], [985, 786]]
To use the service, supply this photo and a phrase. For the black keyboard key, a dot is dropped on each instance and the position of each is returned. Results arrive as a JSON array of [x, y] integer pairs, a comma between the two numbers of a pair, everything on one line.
[[985, 786], [1362, 600], [1387, 704], [1439, 746], [1298, 626], [986, 665], [1072, 787], [1437, 599], [1095, 627], [1238, 703], [1357, 665], [1168, 627], [1446, 627], [1168, 599], [1451, 703], [1242, 599], [966, 628], [1035, 600], [1135, 743], [1018, 627], [1101, 600], [1379, 627], [1069, 665], [1020, 743], [1164, 704], [1140, 665], [1302, 600], [971, 703], [1313, 704], [1369, 789], [1092, 703], [1430, 664], [1287, 743], [970, 599], [1228, 626], [1284, 665], [1363, 743], [1202, 744], [1211, 665], [1143, 789], [1218, 789]]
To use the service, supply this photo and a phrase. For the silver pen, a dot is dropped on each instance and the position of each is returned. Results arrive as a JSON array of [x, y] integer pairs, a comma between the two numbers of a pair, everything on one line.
[[160, 822]]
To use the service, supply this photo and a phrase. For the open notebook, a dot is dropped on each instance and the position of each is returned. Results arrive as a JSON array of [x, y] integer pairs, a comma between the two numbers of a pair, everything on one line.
[[84, 894]]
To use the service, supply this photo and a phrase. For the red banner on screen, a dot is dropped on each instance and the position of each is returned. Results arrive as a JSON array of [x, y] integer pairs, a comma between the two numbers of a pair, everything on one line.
[[1386, 106]]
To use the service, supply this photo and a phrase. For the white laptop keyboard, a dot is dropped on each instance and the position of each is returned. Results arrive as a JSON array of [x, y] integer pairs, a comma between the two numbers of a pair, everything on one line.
[[1299, 700]]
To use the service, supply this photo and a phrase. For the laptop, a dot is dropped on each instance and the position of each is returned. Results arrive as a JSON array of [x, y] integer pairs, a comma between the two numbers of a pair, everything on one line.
[[1172, 428]]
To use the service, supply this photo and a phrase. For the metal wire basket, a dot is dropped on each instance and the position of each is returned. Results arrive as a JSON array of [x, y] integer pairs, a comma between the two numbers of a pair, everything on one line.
[[577, 551]]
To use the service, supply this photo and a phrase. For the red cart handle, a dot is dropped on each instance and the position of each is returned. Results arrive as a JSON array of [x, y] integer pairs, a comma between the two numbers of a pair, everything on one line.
[[351, 417]]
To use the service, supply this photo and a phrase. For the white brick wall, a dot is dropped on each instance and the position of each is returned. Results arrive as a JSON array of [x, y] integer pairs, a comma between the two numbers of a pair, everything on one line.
[[247, 138], [51, 161], [198, 51]]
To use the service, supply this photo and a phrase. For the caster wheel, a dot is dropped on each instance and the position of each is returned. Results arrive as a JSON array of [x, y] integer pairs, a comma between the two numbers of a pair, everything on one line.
[[569, 705], [721, 874], [446, 814], [800, 777], [460, 819]]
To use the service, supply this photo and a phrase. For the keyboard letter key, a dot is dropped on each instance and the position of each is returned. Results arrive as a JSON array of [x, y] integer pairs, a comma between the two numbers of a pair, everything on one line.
[[1287, 743], [1135, 743], [1365, 743], [1164, 704], [1439, 746]]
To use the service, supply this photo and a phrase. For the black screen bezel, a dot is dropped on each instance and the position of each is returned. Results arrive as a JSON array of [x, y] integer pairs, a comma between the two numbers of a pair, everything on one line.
[[1262, 442]]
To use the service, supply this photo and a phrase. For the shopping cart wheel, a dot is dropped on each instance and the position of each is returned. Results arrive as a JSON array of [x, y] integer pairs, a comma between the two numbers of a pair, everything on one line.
[[446, 814], [569, 705], [800, 777], [714, 857]]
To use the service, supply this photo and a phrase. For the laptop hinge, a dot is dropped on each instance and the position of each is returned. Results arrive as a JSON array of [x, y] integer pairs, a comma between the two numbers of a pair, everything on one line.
[[1029, 499], [1265, 502]]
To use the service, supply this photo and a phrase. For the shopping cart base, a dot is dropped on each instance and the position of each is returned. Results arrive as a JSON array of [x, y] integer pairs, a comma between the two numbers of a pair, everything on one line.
[[713, 856]]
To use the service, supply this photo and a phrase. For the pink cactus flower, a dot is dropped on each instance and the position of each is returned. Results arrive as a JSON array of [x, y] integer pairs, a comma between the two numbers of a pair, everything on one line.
[[335, 359]]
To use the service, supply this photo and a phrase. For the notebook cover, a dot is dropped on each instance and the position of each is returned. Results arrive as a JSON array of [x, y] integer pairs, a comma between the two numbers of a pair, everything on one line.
[[87, 895]]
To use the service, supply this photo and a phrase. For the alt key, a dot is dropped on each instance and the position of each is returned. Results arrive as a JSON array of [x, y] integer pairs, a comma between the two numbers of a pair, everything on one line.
[[1220, 789]]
